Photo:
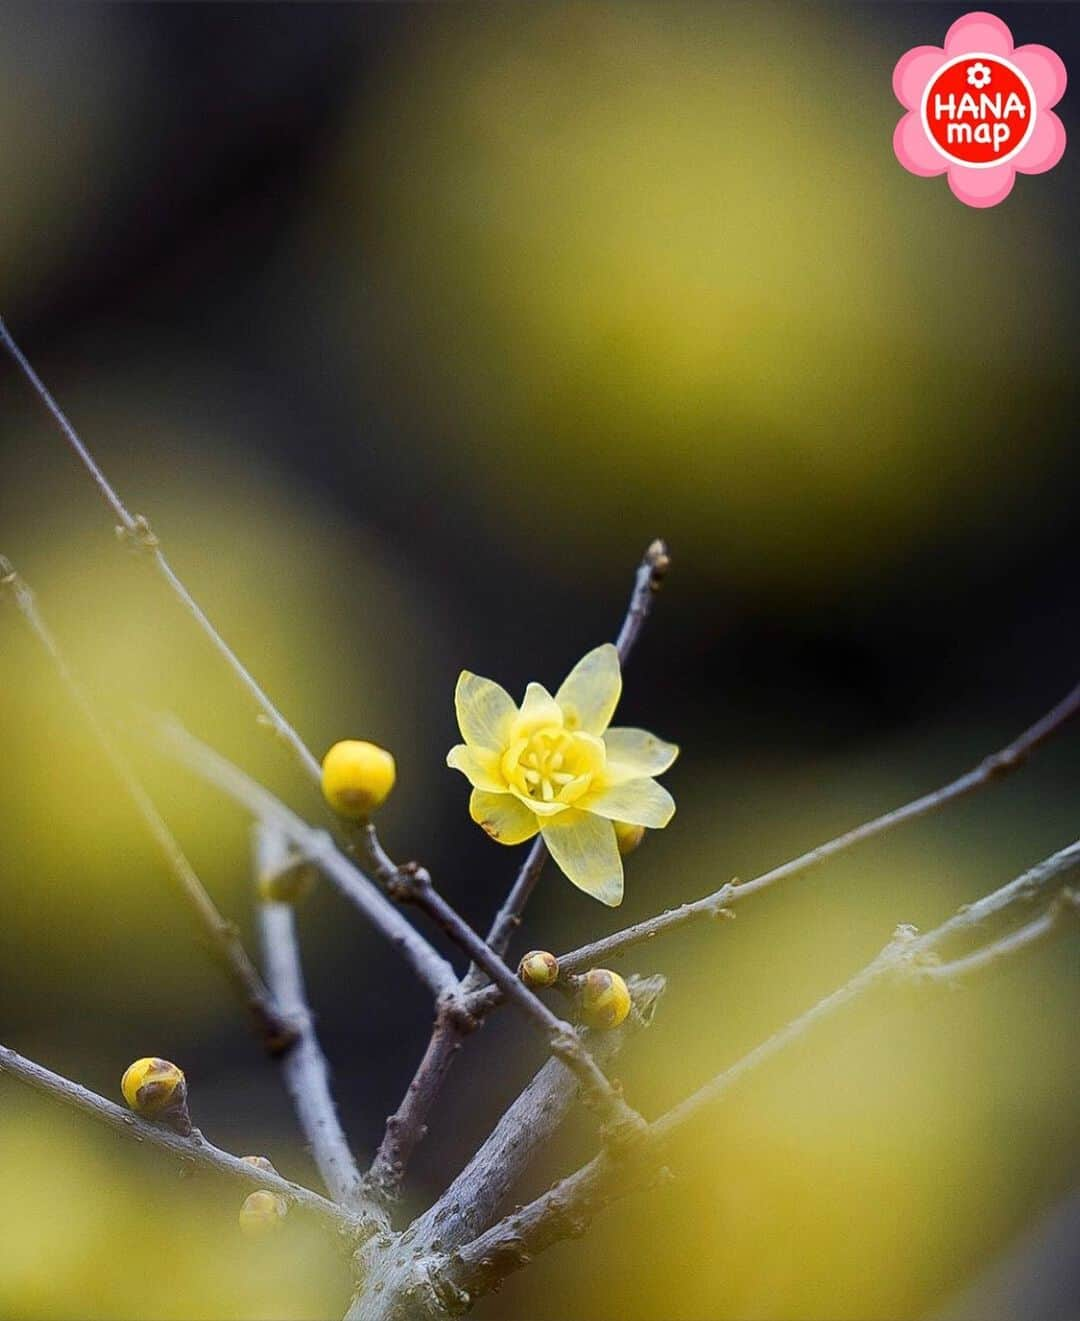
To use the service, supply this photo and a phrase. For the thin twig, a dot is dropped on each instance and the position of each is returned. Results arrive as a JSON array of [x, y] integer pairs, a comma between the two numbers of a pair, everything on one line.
[[190, 1151], [221, 935], [991, 768], [306, 1072], [318, 847], [1046, 925], [136, 530], [567, 1208], [622, 1123], [407, 1126]]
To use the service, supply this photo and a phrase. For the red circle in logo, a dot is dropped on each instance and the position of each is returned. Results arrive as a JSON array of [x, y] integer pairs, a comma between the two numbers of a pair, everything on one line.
[[978, 110]]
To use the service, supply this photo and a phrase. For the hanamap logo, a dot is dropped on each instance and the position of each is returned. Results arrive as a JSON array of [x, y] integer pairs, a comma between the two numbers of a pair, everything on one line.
[[979, 109]]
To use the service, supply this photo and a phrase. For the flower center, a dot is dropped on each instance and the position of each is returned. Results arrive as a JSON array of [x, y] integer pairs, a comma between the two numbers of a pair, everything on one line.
[[552, 765]]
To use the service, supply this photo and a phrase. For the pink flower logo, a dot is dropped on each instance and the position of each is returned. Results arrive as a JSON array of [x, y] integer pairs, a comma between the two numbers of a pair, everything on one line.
[[979, 109]]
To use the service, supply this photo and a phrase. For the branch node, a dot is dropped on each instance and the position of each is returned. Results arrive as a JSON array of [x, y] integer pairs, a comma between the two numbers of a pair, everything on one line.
[[139, 536]]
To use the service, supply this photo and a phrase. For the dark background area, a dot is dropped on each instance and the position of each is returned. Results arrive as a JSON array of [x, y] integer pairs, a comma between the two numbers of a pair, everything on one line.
[[284, 360]]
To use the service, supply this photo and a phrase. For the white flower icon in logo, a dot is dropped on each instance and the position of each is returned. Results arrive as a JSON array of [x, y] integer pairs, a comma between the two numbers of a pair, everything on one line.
[[978, 75]]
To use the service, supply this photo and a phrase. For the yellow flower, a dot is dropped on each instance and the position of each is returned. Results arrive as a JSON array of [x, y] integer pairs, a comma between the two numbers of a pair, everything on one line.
[[554, 766]]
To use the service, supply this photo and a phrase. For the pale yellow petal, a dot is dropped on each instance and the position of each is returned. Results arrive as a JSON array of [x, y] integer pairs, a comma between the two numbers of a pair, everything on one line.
[[538, 805], [538, 710], [502, 816], [590, 692], [635, 752], [479, 767], [584, 848], [640, 802], [485, 712]]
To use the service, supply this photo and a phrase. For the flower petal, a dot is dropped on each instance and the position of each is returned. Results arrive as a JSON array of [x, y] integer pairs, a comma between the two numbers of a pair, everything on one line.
[[979, 33], [590, 692], [480, 768], [982, 187], [635, 752], [537, 710], [538, 805], [913, 71], [502, 817], [640, 802], [1045, 72], [584, 848], [913, 148], [485, 711], [1045, 147]]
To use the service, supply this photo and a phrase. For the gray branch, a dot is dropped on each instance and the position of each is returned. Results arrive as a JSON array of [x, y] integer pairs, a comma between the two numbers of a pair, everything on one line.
[[566, 1209], [306, 1072], [193, 1151]]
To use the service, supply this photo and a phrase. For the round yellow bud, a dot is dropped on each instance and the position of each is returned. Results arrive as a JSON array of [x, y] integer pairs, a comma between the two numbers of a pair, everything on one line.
[[289, 883], [262, 1213], [539, 968], [605, 998], [357, 777], [157, 1089], [628, 837]]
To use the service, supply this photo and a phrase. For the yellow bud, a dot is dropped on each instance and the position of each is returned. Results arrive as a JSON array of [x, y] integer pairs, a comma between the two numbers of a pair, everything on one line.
[[260, 1163], [628, 837], [539, 968], [605, 998], [357, 777], [157, 1089], [262, 1213], [289, 883]]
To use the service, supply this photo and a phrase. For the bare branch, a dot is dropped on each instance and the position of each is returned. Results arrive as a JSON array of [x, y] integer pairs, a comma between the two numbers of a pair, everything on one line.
[[407, 1126], [990, 769], [1048, 924], [622, 1123], [430, 967], [307, 1074], [221, 935], [567, 1208], [193, 1151], [532, 1119], [136, 530]]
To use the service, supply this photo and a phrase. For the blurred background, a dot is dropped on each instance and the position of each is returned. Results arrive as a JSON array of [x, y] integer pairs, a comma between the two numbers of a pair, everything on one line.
[[409, 327]]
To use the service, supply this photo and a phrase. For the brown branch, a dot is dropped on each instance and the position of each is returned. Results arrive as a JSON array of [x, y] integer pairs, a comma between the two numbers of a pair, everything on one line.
[[221, 935], [193, 1151], [407, 1126], [566, 1209], [136, 531], [306, 1072], [622, 1123], [317, 846]]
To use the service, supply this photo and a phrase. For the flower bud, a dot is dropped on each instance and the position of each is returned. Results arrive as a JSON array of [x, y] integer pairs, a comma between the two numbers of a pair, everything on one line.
[[157, 1090], [628, 837], [357, 777], [604, 998], [288, 883], [539, 968], [263, 1213]]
